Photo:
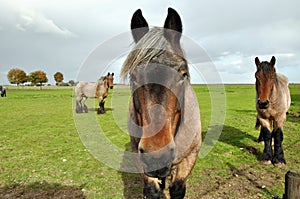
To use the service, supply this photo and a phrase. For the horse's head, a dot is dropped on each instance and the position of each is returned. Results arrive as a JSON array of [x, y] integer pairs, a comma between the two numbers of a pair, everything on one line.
[[265, 79], [110, 80], [158, 74]]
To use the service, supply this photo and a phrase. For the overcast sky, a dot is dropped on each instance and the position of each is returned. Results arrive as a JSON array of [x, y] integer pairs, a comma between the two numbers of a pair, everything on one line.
[[61, 36]]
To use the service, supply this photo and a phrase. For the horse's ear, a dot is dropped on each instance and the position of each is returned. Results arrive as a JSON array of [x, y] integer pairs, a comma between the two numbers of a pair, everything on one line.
[[272, 62], [173, 26], [257, 62], [139, 25], [112, 74], [108, 74]]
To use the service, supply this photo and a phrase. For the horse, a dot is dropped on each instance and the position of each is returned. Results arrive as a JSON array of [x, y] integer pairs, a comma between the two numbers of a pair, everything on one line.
[[2, 91], [164, 117], [99, 89], [272, 103]]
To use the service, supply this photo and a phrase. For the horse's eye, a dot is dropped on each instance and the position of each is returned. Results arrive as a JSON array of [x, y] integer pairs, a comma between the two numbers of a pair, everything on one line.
[[132, 78]]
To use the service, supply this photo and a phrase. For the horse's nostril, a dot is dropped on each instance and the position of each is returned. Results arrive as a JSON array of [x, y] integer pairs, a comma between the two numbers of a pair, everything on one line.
[[142, 150], [263, 104]]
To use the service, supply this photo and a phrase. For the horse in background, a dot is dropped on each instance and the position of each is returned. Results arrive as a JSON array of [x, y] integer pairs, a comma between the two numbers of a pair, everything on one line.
[[2, 91], [99, 89], [272, 103], [164, 116]]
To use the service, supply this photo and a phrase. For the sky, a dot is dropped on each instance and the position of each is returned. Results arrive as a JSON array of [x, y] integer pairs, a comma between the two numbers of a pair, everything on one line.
[[84, 39]]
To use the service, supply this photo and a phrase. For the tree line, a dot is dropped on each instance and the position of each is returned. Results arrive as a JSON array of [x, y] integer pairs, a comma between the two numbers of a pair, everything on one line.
[[18, 76]]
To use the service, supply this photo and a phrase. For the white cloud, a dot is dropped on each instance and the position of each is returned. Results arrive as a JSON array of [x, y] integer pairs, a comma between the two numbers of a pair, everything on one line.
[[31, 20]]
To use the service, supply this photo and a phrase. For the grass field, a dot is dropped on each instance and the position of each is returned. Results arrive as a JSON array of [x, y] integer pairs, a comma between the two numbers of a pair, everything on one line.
[[42, 154]]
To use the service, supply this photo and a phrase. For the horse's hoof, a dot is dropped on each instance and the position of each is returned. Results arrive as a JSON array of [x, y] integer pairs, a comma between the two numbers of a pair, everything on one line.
[[261, 142], [100, 111], [266, 162], [279, 164]]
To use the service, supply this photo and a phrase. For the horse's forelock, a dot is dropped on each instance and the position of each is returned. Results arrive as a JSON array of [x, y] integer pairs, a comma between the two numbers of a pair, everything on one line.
[[150, 46]]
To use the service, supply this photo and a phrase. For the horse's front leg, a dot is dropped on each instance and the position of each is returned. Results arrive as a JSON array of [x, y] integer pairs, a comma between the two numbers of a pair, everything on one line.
[[278, 158], [101, 106], [152, 188], [177, 190], [181, 171], [267, 153], [178, 178]]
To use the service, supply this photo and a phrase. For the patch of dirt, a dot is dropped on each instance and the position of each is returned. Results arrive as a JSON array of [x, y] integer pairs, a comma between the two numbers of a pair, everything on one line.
[[40, 190], [246, 183]]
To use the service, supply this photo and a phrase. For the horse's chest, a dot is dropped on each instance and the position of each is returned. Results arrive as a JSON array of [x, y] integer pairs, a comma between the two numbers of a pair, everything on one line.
[[269, 113], [105, 94]]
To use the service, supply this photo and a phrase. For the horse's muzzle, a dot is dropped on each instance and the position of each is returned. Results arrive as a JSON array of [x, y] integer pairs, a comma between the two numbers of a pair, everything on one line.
[[264, 104], [157, 164], [111, 87], [160, 173]]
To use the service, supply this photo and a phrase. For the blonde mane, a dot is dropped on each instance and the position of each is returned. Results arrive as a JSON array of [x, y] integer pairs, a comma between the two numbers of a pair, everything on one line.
[[150, 46]]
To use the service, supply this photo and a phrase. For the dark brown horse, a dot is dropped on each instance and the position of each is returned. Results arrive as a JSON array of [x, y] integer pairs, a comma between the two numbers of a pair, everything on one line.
[[272, 102], [99, 89], [2, 91], [164, 116]]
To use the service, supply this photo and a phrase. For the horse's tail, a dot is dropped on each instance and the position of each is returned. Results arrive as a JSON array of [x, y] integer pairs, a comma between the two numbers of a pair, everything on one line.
[[257, 125]]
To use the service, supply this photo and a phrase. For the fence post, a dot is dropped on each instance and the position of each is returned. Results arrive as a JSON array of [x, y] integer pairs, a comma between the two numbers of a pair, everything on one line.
[[292, 185]]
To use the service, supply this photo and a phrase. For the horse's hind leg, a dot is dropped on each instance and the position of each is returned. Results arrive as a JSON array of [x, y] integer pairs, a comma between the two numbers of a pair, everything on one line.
[[84, 108], [267, 153], [278, 158], [260, 138]]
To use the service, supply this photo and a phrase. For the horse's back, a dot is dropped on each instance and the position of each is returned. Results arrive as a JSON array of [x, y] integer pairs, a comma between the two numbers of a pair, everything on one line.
[[87, 89]]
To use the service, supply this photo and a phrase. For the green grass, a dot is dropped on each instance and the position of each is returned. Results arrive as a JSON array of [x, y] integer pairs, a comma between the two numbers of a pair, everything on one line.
[[40, 146]]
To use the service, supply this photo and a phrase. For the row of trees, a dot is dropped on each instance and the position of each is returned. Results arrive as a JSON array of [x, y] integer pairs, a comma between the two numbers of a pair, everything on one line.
[[18, 76]]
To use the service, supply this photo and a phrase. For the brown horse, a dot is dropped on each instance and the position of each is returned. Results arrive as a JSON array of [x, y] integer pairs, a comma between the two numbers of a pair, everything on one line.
[[272, 102], [99, 89], [164, 116]]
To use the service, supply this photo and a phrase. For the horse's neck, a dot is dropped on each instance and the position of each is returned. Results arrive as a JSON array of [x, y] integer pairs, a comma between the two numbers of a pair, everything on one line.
[[102, 84], [278, 91], [276, 87]]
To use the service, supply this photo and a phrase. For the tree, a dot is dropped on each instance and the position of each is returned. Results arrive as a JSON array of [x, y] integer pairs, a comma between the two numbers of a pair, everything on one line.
[[58, 77], [38, 77], [17, 76]]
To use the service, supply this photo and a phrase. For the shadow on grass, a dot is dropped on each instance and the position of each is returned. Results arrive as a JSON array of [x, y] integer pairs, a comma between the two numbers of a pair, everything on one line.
[[132, 181], [236, 137], [41, 190], [96, 109]]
